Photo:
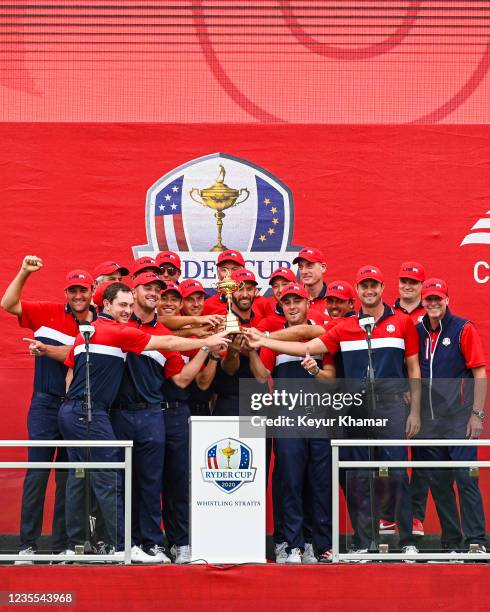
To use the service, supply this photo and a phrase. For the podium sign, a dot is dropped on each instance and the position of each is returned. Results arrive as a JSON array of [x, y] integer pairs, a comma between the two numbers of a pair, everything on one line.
[[227, 492]]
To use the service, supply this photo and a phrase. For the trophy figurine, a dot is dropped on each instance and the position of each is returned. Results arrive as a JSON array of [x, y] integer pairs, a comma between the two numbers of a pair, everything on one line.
[[228, 286], [228, 452], [219, 197]]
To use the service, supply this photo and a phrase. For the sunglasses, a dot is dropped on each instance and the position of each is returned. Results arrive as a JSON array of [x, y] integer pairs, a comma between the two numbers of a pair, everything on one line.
[[170, 270]]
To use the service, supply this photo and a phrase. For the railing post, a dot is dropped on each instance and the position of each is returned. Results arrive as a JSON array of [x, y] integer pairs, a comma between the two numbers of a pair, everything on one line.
[[335, 504], [127, 504]]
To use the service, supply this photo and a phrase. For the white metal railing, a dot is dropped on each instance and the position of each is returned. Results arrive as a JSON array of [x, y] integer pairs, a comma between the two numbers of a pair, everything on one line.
[[126, 465], [385, 556]]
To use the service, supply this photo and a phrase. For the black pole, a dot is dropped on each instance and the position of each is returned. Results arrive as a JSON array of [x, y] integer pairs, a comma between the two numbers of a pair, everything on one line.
[[87, 546], [371, 413]]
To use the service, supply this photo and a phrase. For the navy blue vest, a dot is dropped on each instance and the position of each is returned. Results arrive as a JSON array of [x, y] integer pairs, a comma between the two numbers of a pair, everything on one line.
[[449, 387]]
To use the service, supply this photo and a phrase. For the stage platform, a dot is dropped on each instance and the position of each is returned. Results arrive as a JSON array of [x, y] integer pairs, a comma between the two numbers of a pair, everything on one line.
[[252, 587]]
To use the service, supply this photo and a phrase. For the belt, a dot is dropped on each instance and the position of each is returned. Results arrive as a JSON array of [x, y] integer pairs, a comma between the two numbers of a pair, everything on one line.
[[199, 405], [43, 395], [172, 405], [136, 406], [94, 405], [388, 397]]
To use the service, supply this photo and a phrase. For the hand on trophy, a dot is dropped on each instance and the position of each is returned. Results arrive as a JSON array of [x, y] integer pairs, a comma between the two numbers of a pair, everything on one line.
[[212, 320], [254, 337], [236, 343], [218, 342]]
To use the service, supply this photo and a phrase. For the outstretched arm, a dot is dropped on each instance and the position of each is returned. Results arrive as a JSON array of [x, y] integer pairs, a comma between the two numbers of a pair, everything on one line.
[[217, 342], [315, 347]]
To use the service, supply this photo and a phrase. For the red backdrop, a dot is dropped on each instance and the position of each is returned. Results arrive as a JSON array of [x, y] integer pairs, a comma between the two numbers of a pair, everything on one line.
[[74, 194]]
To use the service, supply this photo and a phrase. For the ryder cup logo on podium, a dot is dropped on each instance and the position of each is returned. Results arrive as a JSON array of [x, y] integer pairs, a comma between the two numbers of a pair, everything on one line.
[[229, 465], [219, 202]]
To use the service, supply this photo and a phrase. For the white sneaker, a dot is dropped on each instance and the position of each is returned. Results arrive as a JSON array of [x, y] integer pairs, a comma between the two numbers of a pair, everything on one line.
[[410, 550], [139, 556], [25, 551], [281, 553], [181, 554], [357, 551], [158, 553], [309, 555], [294, 556]]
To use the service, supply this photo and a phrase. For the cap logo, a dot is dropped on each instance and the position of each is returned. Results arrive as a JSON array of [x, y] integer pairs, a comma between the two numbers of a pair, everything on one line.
[[411, 269], [308, 251]]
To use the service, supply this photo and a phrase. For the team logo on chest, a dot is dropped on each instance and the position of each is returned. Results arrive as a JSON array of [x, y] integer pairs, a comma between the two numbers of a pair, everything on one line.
[[446, 341], [390, 328], [229, 465]]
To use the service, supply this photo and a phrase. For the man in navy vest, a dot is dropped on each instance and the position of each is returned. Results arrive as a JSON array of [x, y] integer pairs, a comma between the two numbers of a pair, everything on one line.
[[452, 359]]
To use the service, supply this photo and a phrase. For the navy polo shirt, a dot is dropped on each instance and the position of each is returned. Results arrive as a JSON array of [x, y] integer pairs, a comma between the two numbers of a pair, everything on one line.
[[144, 374], [56, 325], [108, 348]]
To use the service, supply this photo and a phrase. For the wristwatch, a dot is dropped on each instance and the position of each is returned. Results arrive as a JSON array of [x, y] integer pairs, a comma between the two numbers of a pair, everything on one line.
[[205, 349], [315, 373], [479, 413], [214, 358]]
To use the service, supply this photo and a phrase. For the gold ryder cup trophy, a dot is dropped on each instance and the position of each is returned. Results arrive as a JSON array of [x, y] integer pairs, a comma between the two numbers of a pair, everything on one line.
[[228, 452], [219, 197], [228, 286]]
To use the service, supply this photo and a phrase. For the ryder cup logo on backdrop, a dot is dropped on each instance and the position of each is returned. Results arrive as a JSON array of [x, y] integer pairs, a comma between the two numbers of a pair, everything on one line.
[[220, 202], [228, 465]]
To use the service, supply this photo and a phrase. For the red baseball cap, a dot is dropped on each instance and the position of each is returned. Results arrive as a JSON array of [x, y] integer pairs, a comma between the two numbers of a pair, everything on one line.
[[99, 292], [172, 287], [146, 278], [109, 267], [294, 289], [168, 257], [369, 272], [285, 273], [412, 269], [79, 278], [244, 276], [144, 262], [341, 290], [230, 255], [434, 286], [310, 254], [190, 286]]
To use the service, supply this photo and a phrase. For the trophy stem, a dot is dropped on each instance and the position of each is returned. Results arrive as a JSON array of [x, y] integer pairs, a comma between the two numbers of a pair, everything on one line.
[[219, 247]]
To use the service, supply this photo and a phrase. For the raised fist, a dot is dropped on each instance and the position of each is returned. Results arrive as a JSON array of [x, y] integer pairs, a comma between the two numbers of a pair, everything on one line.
[[31, 263]]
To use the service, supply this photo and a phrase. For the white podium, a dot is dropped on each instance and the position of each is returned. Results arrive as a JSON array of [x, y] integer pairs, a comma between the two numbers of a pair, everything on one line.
[[227, 492]]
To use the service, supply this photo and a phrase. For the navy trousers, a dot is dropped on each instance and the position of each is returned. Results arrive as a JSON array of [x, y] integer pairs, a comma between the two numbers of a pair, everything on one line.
[[396, 487], [146, 427], [453, 427], [175, 482], [42, 424], [105, 484], [300, 461]]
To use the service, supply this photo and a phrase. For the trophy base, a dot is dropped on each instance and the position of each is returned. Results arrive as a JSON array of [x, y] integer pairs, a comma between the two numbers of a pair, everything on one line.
[[233, 329], [218, 248]]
